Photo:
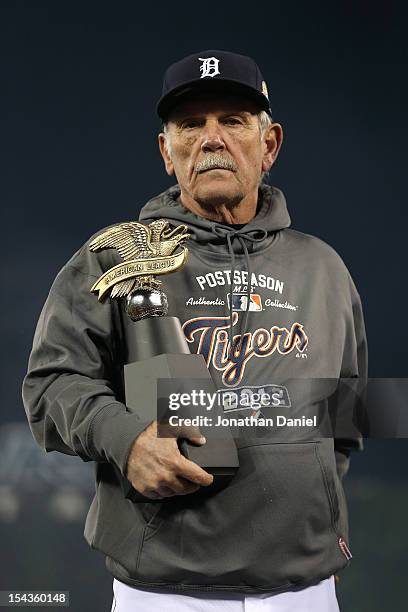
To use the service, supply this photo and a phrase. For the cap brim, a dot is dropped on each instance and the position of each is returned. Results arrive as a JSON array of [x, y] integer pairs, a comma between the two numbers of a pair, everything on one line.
[[169, 101]]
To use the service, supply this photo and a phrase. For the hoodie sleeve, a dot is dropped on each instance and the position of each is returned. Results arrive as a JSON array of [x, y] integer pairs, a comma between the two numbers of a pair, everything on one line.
[[349, 403], [71, 392]]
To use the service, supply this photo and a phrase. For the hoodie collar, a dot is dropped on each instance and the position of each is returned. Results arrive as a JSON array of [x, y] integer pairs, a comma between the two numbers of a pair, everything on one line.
[[272, 216]]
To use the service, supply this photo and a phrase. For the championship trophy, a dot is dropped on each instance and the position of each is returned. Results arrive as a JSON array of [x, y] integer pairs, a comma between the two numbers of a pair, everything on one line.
[[157, 348]]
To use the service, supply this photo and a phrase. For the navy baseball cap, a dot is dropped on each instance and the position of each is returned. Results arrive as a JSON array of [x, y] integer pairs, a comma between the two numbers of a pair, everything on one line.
[[213, 71]]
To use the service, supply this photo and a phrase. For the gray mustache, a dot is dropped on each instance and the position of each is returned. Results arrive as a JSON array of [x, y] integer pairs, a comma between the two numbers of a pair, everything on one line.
[[214, 160]]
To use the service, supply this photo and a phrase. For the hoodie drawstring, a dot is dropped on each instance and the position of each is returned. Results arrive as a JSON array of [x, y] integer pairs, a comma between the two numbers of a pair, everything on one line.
[[252, 236]]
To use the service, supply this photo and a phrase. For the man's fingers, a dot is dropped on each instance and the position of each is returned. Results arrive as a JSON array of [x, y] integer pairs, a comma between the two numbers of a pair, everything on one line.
[[181, 486], [189, 488], [199, 440], [191, 471], [151, 494], [166, 491], [158, 469], [190, 432], [178, 486]]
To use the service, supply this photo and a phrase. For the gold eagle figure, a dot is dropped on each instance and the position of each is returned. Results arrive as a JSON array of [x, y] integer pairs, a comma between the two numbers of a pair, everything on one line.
[[133, 241]]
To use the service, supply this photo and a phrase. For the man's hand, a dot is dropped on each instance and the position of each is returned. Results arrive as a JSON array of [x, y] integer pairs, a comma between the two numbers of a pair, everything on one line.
[[156, 468]]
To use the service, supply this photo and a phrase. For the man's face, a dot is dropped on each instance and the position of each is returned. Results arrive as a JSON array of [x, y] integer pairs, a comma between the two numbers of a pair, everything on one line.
[[216, 150]]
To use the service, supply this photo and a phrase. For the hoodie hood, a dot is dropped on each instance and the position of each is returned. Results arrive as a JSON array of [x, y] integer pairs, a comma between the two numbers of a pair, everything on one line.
[[272, 216]]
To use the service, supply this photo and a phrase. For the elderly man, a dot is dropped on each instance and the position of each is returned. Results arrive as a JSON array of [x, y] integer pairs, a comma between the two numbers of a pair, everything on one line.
[[263, 304]]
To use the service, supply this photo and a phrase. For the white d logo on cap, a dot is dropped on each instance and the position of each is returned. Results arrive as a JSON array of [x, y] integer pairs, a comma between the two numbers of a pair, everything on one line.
[[209, 67]]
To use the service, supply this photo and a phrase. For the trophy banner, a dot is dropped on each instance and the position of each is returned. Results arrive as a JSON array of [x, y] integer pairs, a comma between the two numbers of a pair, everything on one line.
[[138, 267]]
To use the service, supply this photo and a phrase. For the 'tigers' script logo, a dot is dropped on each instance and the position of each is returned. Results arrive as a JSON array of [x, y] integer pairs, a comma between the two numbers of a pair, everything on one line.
[[209, 67], [211, 334]]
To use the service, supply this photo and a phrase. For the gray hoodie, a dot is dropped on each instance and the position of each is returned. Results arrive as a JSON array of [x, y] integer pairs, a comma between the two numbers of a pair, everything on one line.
[[282, 521]]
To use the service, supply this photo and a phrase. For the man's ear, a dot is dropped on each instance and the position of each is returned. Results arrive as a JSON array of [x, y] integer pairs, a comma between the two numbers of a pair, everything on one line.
[[272, 141], [165, 154]]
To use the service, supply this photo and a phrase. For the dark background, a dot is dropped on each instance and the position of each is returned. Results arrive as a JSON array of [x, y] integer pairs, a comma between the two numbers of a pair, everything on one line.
[[79, 83]]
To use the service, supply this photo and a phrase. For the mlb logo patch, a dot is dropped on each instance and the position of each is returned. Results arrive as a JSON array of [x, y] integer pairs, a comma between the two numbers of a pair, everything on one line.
[[240, 300]]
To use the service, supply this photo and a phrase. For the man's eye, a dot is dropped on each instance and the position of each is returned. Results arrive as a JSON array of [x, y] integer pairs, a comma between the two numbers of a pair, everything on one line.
[[233, 121], [192, 123]]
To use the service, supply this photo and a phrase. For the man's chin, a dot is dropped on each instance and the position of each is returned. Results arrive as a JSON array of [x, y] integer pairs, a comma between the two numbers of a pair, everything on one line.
[[213, 198]]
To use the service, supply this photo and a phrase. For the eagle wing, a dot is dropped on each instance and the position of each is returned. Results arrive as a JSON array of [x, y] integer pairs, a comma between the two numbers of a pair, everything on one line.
[[130, 239]]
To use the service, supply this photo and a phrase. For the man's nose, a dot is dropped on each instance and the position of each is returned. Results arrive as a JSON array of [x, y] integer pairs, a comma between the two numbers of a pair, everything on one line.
[[212, 139]]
